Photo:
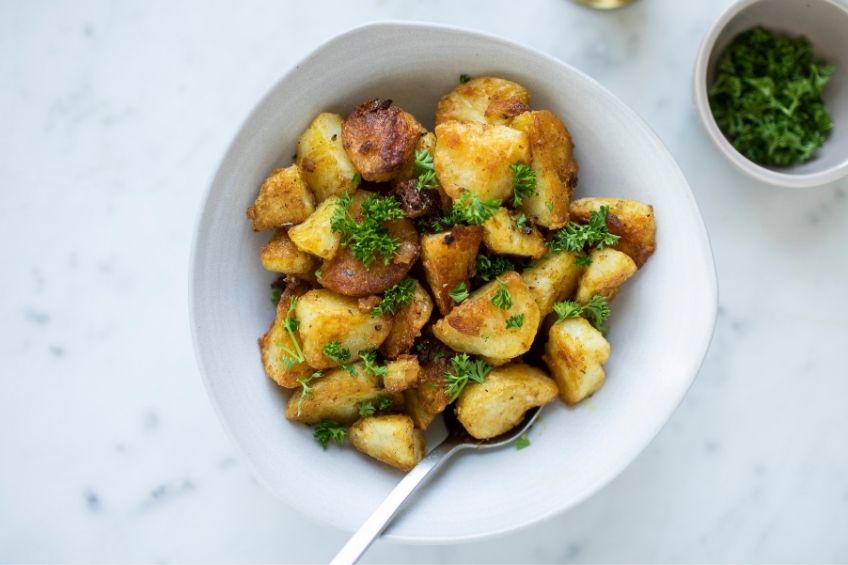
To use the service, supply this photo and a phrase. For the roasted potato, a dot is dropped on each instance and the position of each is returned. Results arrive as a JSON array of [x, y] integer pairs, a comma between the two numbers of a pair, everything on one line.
[[477, 157], [281, 255], [575, 354], [497, 405], [391, 439], [608, 271], [402, 373], [347, 275], [551, 279], [449, 259], [502, 235], [407, 323], [322, 159], [271, 347], [336, 396], [495, 361], [632, 221], [315, 235], [284, 199], [556, 169], [478, 325], [327, 317], [430, 397], [380, 139], [487, 100]]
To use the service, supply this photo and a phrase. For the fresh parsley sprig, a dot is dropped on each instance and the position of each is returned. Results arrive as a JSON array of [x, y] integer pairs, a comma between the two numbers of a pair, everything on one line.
[[335, 351], [463, 370], [369, 359], [523, 182], [575, 238], [395, 298], [292, 355], [596, 310], [306, 388], [502, 299], [489, 268], [367, 237], [425, 170], [515, 322], [327, 430], [459, 292]]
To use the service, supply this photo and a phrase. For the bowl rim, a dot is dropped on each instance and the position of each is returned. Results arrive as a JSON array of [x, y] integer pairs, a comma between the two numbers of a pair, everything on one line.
[[699, 91], [711, 298]]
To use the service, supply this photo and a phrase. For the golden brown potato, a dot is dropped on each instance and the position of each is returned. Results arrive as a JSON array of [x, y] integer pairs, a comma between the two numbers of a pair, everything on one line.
[[281, 255], [551, 279], [449, 259], [632, 221], [494, 407], [477, 157], [478, 326], [430, 397], [271, 347], [488, 100], [380, 138], [336, 395], [284, 199], [575, 354], [502, 235], [608, 271], [495, 361], [322, 159], [315, 235], [328, 317], [402, 373], [347, 275], [407, 323], [391, 439], [556, 169]]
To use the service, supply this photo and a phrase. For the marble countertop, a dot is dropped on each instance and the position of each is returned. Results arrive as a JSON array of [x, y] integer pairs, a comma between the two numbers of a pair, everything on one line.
[[114, 116]]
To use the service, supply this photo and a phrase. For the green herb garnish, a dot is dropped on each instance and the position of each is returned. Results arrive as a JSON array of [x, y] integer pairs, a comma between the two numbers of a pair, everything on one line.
[[328, 430], [425, 170], [384, 403], [523, 182], [366, 409], [307, 388], [276, 293], [464, 370], [575, 238], [335, 351], [490, 267], [515, 322], [522, 442], [459, 292], [356, 179], [367, 237], [501, 298], [463, 78], [596, 310], [369, 358], [292, 355], [394, 298]]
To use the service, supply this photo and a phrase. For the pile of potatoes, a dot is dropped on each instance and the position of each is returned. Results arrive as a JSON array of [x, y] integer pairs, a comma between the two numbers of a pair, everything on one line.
[[482, 127]]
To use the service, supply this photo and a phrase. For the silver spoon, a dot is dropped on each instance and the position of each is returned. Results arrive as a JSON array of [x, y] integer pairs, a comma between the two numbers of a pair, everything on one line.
[[456, 440]]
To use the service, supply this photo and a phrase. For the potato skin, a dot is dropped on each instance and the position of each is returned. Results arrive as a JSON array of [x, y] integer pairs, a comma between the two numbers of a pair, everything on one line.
[[497, 405], [326, 316], [284, 199], [575, 354], [407, 323], [281, 255], [477, 157], [552, 279], [391, 439], [479, 327], [449, 258], [322, 159], [315, 235], [608, 271], [347, 275], [488, 100], [336, 396], [402, 373], [503, 236], [556, 169], [271, 348], [380, 138], [631, 220]]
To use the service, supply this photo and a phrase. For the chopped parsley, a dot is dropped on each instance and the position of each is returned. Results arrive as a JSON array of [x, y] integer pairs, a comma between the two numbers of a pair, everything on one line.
[[356, 179], [464, 370], [463, 78], [395, 298], [522, 442], [335, 351], [459, 292], [501, 298], [596, 310], [489, 268], [276, 294], [369, 359], [425, 170], [306, 391], [523, 182], [515, 322], [328, 430], [366, 409], [292, 355], [575, 238], [367, 237], [385, 403], [521, 221]]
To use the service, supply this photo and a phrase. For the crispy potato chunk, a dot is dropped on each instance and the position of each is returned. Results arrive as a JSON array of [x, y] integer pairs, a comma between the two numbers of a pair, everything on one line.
[[315, 235], [502, 235], [608, 271], [391, 439], [407, 323], [495, 361], [271, 350], [632, 221], [449, 258], [551, 279], [478, 326], [336, 396], [497, 405], [477, 157], [322, 159], [281, 255], [326, 317], [284, 199], [380, 138], [402, 373], [575, 354], [488, 100], [555, 167], [347, 275], [430, 398]]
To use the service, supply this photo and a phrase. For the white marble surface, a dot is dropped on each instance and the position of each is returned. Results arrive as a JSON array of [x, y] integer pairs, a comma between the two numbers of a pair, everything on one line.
[[114, 116]]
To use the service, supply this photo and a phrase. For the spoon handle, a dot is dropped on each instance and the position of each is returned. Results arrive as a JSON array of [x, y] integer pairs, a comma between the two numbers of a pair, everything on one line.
[[382, 516]]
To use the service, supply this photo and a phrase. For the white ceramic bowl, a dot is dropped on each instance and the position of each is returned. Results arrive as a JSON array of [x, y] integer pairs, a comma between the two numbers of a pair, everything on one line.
[[825, 24], [661, 325]]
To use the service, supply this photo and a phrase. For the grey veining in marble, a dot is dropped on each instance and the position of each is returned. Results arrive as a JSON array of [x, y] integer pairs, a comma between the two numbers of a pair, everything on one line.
[[114, 115]]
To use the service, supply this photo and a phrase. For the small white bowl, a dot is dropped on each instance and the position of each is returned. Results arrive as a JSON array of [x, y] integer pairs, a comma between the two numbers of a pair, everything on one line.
[[661, 325], [825, 24]]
